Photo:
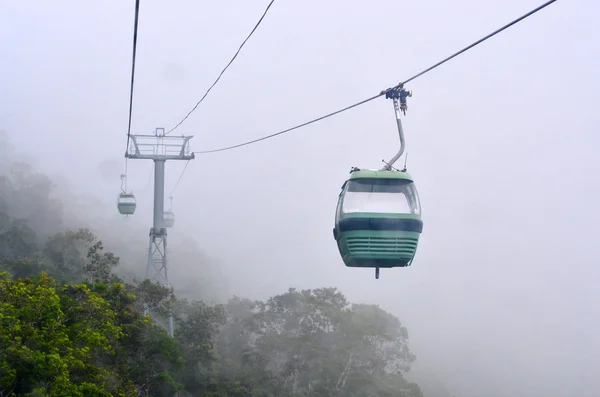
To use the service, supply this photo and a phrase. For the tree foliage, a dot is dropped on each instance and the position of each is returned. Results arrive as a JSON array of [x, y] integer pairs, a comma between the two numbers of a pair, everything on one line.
[[314, 343], [76, 340]]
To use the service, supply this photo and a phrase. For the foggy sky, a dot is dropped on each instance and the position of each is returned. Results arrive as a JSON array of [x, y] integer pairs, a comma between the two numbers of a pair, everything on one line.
[[502, 299]]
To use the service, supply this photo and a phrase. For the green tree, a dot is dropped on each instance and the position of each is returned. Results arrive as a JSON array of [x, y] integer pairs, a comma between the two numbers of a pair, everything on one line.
[[197, 328], [80, 340], [145, 354], [50, 341], [28, 195], [313, 342], [67, 253], [17, 239]]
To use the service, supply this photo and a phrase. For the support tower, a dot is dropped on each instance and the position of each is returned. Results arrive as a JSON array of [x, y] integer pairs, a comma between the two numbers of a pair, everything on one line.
[[159, 148]]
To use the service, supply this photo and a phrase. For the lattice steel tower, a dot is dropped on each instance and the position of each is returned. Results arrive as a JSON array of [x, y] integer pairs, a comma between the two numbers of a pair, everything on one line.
[[159, 148]]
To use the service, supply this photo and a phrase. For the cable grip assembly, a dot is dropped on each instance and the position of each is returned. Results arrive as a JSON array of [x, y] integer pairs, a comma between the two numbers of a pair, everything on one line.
[[398, 94]]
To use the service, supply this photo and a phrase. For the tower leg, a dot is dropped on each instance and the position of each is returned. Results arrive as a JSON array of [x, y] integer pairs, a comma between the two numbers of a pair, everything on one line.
[[167, 283], [149, 260], [157, 269]]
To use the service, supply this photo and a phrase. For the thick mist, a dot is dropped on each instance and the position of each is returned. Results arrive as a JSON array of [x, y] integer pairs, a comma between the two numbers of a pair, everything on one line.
[[502, 298]]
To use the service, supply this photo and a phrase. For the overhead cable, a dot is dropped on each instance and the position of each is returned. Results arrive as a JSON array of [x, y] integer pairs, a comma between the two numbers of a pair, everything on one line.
[[135, 29], [225, 68], [384, 92], [180, 176]]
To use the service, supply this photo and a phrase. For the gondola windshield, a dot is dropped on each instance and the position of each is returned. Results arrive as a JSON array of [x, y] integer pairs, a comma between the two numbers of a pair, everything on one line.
[[381, 195]]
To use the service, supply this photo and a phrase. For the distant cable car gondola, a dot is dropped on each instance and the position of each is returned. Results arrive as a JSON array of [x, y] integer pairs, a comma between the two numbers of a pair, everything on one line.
[[378, 215], [126, 201], [169, 216], [168, 219], [126, 204]]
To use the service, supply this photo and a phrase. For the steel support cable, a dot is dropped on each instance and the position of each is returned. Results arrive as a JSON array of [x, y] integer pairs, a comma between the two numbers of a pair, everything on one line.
[[384, 92], [180, 176], [291, 129], [135, 29], [225, 68], [149, 180]]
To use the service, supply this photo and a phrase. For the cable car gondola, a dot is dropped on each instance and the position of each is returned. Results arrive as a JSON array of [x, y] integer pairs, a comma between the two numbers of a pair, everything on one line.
[[126, 202], [378, 215], [168, 218]]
